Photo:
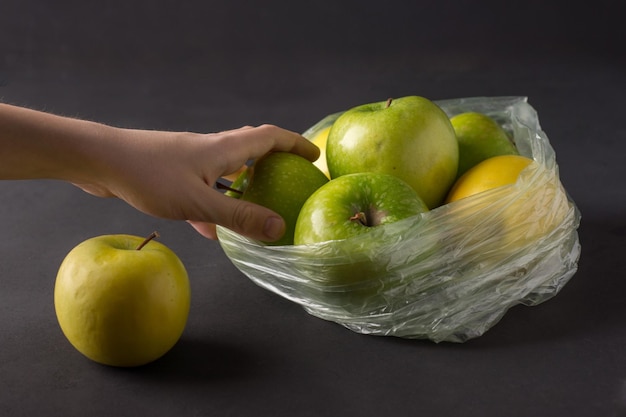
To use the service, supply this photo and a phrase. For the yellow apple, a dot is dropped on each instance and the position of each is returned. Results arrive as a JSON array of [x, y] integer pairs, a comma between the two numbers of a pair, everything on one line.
[[320, 140], [489, 174], [122, 300], [497, 214]]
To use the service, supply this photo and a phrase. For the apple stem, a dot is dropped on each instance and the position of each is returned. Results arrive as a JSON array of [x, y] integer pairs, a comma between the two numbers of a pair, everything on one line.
[[152, 235], [359, 217], [389, 100], [225, 187]]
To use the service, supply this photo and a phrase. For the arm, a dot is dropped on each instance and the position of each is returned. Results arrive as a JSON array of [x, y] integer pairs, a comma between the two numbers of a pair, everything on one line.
[[164, 174]]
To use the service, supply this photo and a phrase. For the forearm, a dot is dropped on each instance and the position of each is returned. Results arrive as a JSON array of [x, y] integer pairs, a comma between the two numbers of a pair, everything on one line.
[[39, 145]]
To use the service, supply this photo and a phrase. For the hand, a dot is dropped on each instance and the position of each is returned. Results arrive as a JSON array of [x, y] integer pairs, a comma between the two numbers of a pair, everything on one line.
[[173, 175], [165, 174]]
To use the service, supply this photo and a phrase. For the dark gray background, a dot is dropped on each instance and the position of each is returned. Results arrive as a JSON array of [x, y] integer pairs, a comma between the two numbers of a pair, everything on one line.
[[213, 65]]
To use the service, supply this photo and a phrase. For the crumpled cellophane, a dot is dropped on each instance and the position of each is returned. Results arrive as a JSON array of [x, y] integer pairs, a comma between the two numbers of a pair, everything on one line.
[[446, 275]]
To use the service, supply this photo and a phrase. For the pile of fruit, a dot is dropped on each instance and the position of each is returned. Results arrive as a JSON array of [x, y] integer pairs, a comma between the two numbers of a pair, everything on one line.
[[420, 219], [386, 161]]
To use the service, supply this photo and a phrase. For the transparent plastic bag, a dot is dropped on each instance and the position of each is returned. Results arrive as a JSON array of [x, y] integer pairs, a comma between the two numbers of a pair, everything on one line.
[[446, 275]]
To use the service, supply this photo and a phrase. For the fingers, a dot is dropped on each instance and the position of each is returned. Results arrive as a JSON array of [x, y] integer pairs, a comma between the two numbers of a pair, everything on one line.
[[207, 230], [242, 217], [251, 143], [288, 141], [221, 154]]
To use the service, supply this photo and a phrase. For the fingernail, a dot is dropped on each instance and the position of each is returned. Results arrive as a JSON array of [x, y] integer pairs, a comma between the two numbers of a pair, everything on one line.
[[274, 228]]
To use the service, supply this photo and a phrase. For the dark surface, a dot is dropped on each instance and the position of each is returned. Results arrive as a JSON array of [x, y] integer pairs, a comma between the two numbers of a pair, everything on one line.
[[208, 66]]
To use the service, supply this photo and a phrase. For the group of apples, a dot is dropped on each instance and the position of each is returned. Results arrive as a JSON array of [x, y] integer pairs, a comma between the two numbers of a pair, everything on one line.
[[379, 163], [124, 301]]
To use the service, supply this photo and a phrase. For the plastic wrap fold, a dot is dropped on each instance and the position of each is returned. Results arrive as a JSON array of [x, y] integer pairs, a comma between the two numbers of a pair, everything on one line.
[[446, 275]]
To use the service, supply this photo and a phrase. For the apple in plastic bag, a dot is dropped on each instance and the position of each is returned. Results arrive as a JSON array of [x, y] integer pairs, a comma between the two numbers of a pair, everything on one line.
[[282, 182], [409, 137], [480, 137], [354, 204], [346, 216], [513, 214]]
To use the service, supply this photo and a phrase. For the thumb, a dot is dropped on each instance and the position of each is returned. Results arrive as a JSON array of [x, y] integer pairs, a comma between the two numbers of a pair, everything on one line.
[[248, 219]]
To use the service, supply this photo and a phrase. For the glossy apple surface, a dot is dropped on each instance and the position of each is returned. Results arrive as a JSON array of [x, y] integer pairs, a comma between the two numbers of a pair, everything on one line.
[[121, 306], [347, 216], [354, 204], [409, 137], [282, 182]]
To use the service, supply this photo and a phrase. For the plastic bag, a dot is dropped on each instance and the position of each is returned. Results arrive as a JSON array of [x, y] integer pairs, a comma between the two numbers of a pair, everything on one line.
[[446, 275]]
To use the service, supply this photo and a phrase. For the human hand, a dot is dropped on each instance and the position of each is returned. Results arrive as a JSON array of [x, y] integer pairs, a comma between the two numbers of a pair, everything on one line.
[[173, 175], [165, 174]]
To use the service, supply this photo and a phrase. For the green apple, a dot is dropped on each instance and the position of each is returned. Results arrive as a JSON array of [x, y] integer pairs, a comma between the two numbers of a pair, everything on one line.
[[480, 137], [122, 300], [345, 216], [410, 137], [281, 181], [354, 204]]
